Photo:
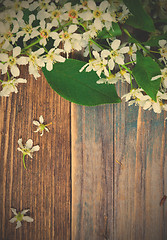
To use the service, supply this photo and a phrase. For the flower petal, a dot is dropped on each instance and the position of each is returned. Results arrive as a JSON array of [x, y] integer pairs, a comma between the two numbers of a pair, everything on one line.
[[18, 225], [15, 71], [19, 149], [14, 211], [3, 57], [156, 77], [20, 142], [21, 80], [28, 219], [46, 129], [124, 50], [25, 211], [36, 123], [12, 220], [29, 144], [105, 53], [115, 44], [41, 120], [119, 60], [72, 28], [22, 60], [54, 35], [49, 65], [92, 5], [162, 43], [98, 24], [35, 148], [103, 5], [16, 51], [111, 64]]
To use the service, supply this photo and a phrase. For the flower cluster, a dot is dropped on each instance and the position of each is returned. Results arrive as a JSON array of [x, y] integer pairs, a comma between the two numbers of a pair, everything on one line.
[[42, 33]]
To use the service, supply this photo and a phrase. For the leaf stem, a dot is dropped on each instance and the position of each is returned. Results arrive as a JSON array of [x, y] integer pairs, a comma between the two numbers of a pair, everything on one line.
[[142, 47], [131, 81], [79, 23], [91, 40], [129, 62], [90, 54], [127, 69], [8, 75], [24, 161]]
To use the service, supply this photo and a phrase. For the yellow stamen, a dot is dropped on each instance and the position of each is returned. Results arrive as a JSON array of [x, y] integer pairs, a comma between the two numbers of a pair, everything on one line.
[[48, 124], [119, 162]]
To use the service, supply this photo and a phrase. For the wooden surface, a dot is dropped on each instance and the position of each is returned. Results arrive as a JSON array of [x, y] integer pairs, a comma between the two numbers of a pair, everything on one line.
[[45, 186], [100, 172], [119, 173]]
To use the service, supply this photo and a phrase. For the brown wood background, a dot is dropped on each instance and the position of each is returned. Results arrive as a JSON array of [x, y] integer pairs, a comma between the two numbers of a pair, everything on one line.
[[100, 173]]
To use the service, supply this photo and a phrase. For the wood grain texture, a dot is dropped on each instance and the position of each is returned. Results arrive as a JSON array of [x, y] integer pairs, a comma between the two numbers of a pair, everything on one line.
[[118, 171], [122, 175], [140, 183], [92, 172], [45, 186]]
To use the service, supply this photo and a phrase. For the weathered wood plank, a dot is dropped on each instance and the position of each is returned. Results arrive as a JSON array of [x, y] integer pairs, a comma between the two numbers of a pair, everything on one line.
[[140, 145], [45, 186], [92, 172]]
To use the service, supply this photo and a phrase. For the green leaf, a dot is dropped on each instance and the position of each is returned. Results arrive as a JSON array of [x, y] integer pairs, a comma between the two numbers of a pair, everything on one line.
[[79, 87], [145, 69], [153, 41], [140, 19], [113, 32]]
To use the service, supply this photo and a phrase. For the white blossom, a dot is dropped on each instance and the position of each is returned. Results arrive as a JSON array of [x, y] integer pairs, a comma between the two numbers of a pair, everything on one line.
[[70, 39], [42, 4], [7, 16], [157, 106], [7, 34], [45, 32], [11, 61], [123, 15], [55, 14], [40, 125], [70, 12], [97, 64], [132, 52], [36, 61], [111, 79], [134, 96], [137, 97], [19, 217], [98, 13], [17, 4], [52, 57], [27, 30], [124, 75], [11, 86], [91, 33], [28, 149], [163, 77], [116, 54]]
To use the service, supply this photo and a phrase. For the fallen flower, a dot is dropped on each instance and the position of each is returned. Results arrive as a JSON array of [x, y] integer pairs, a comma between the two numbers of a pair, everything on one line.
[[20, 217], [11, 86], [27, 149], [40, 126]]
